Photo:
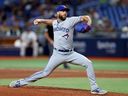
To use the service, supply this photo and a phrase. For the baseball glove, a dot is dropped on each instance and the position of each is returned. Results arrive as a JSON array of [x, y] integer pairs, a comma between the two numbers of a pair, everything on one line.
[[82, 27]]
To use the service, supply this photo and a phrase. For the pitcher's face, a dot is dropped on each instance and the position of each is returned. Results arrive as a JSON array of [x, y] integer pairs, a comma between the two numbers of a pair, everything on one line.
[[62, 15]]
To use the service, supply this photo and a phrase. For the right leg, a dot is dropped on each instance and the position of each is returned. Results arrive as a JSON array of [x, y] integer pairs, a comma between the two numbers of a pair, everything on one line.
[[52, 64], [54, 61]]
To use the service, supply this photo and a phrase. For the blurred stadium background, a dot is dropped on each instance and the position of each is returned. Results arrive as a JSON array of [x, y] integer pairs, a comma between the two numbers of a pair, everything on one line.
[[108, 37]]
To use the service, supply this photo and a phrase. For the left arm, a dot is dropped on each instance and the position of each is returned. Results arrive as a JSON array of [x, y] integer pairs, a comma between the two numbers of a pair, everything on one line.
[[84, 25]]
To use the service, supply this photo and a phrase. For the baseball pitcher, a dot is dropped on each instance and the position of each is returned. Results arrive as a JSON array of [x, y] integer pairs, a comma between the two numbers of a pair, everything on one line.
[[63, 50]]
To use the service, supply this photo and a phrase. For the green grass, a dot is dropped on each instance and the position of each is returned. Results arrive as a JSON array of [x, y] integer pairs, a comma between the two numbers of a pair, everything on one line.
[[38, 63], [110, 65], [35, 63], [117, 85]]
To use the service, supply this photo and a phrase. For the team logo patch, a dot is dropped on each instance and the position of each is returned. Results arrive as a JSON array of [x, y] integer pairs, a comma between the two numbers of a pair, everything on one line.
[[65, 36]]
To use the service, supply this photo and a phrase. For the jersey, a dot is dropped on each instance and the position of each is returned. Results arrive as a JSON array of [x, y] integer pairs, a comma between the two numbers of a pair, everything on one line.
[[63, 32]]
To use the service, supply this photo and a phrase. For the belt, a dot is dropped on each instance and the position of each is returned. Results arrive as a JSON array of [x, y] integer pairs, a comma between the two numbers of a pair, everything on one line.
[[65, 50]]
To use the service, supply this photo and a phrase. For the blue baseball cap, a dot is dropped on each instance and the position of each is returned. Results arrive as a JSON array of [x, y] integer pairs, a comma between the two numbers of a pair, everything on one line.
[[62, 8]]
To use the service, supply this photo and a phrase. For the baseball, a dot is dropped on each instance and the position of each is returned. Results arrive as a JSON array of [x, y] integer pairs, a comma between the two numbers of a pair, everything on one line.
[[36, 21]]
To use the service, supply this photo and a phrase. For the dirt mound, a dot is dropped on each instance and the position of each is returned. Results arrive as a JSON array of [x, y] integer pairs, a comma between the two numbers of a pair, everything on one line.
[[48, 91]]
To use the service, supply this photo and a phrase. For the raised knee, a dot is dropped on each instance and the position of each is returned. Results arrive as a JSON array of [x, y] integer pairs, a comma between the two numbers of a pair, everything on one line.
[[89, 61], [86, 64]]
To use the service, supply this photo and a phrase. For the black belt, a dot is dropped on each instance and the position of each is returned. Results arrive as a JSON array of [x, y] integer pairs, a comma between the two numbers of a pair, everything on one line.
[[65, 50]]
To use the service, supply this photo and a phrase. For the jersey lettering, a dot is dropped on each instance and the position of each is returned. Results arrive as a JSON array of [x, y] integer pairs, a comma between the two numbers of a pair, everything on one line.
[[61, 29]]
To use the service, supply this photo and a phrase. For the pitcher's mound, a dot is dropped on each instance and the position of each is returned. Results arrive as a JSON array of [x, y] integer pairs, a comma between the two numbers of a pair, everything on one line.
[[47, 91]]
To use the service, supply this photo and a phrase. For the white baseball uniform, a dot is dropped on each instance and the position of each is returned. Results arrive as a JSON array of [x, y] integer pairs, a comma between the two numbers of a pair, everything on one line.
[[26, 39], [63, 51]]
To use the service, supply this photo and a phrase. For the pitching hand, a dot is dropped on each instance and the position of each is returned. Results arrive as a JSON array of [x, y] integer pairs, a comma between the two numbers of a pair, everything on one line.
[[36, 21]]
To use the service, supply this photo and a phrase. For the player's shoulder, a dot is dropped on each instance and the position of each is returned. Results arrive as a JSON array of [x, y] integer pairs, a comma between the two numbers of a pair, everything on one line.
[[73, 17]]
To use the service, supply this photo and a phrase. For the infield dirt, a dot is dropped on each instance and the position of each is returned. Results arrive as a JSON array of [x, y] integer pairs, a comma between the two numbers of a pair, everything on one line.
[[52, 91]]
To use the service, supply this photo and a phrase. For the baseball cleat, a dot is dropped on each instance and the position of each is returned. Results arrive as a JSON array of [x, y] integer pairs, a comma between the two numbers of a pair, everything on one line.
[[98, 91], [18, 83]]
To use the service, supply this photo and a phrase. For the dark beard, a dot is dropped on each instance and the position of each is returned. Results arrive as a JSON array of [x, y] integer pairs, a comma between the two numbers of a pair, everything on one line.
[[61, 18]]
